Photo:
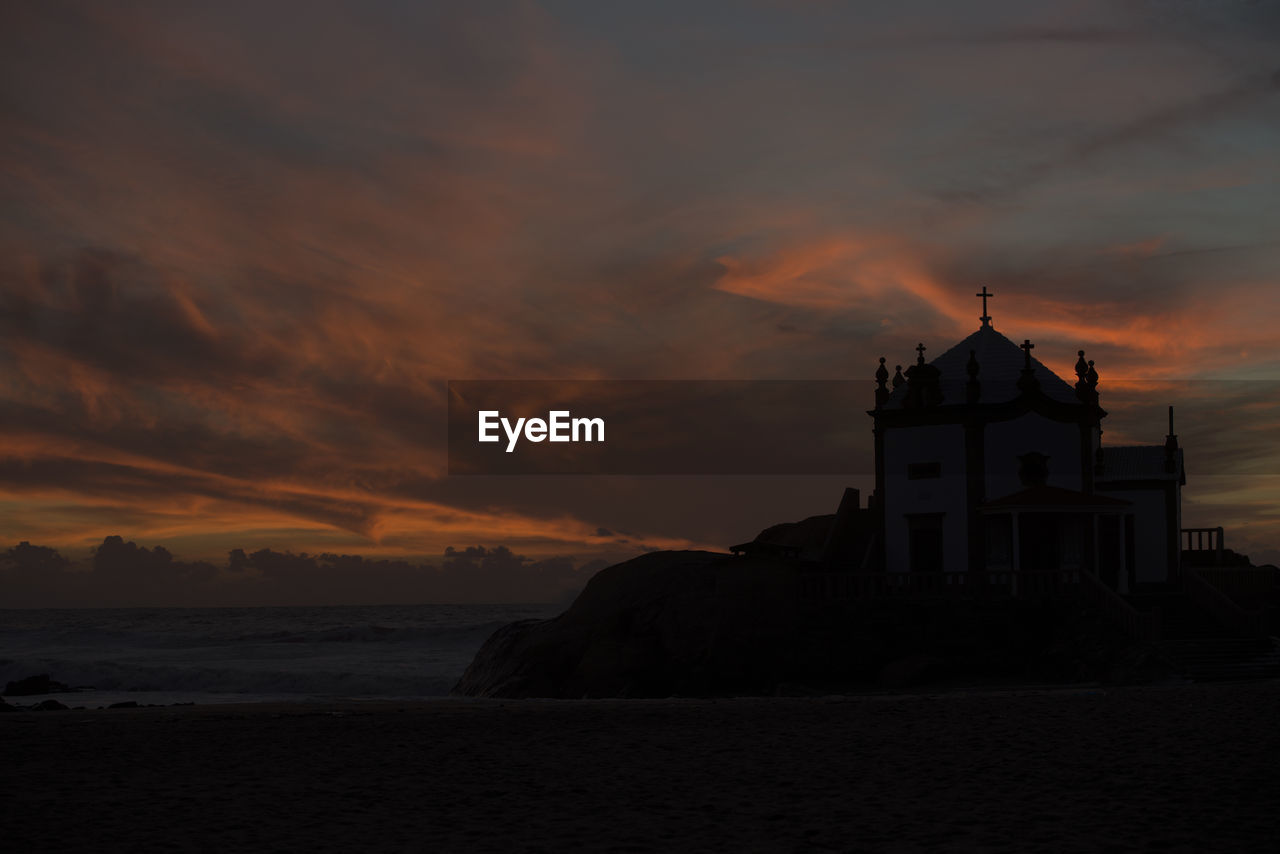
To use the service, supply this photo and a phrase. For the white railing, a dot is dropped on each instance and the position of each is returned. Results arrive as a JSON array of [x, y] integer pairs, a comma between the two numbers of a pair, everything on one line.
[[1224, 609], [1203, 540]]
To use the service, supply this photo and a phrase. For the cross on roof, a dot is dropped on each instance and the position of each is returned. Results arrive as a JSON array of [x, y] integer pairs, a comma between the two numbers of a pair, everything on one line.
[[920, 348], [986, 318], [1026, 346]]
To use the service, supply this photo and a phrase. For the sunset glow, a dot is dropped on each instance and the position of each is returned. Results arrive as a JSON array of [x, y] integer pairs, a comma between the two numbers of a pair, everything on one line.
[[244, 249]]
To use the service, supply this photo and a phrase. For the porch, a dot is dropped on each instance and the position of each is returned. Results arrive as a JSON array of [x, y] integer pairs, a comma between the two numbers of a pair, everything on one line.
[[1048, 529]]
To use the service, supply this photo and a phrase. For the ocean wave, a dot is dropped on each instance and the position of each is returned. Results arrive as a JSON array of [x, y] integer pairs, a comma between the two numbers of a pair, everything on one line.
[[373, 634], [320, 681], [348, 634], [333, 651]]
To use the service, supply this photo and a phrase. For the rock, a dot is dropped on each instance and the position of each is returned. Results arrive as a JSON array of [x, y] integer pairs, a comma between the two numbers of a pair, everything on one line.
[[33, 685], [668, 623], [5, 707], [127, 704], [698, 624], [49, 706], [806, 536], [793, 689], [911, 670]]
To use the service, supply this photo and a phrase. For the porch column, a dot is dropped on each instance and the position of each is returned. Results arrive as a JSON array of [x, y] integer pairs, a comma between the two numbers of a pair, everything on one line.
[[1097, 550], [1016, 557], [1122, 577]]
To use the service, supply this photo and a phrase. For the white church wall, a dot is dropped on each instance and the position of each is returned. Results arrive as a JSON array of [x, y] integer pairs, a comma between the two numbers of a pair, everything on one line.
[[1005, 441], [1150, 548], [1177, 516], [907, 446]]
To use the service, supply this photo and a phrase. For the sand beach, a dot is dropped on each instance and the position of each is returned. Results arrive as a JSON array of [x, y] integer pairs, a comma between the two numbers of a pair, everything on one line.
[[1176, 768]]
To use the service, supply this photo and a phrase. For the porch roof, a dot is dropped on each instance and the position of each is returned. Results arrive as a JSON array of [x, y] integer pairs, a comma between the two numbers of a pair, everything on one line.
[[1054, 499]]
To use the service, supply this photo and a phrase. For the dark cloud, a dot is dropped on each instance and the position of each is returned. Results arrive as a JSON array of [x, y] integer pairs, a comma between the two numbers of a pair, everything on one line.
[[1192, 112], [120, 572], [1154, 128], [115, 314], [244, 248], [28, 559]]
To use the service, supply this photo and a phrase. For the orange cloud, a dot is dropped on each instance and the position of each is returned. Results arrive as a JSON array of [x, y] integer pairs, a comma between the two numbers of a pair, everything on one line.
[[238, 268]]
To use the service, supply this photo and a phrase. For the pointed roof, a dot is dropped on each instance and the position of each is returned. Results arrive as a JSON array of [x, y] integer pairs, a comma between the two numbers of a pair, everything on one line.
[[1000, 364]]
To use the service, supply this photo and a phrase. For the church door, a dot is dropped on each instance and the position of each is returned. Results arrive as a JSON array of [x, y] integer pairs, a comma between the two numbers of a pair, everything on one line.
[[1039, 542], [1109, 555], [924, 542]]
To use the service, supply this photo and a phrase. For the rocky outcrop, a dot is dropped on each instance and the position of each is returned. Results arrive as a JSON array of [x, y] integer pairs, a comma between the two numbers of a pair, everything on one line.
[[703, 624], [665, 623], [808, 535], [43, 706], [33, 685], [834, 540]]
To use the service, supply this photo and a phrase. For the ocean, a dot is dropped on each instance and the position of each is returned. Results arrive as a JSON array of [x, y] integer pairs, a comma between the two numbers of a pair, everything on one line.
[[226, 655]]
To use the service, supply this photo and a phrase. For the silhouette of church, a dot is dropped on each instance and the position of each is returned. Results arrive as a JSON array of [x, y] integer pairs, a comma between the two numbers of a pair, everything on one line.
[[988, 462], [993, 483]]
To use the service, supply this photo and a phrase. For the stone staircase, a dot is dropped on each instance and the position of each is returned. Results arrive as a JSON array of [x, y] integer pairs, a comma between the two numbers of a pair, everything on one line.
[[1201, 650], [1224, 659]]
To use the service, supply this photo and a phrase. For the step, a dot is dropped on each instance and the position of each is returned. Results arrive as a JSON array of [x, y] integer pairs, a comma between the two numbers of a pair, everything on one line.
[[1180, 617], [1225, 659]]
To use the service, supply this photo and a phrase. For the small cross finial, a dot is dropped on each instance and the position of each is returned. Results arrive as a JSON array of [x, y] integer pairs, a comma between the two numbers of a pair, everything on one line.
[[1026, 346], [920, 348], [986, 318]]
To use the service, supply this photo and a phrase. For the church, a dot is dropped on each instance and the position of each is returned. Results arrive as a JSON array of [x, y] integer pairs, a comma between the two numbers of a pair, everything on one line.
[[988, 462]]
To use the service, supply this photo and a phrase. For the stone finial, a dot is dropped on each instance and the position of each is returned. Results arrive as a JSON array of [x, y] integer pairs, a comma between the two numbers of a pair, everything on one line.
[[1087, 386], [1083, 393]]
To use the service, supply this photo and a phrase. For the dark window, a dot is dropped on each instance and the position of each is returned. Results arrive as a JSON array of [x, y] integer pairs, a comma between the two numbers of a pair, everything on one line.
[[924, 542], [999, 542], [920, 471], [1033, 469]]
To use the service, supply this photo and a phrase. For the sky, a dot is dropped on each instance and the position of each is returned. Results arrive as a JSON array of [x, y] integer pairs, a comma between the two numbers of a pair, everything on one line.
[[244, 247]]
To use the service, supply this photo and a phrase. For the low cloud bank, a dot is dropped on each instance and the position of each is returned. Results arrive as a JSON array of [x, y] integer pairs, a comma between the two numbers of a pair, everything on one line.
[[120, 573]]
